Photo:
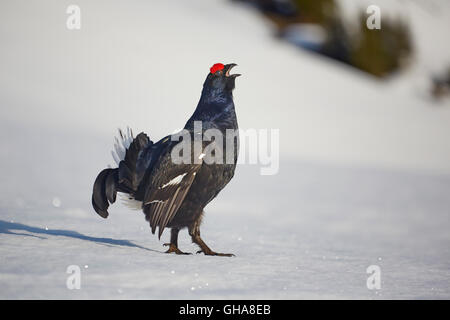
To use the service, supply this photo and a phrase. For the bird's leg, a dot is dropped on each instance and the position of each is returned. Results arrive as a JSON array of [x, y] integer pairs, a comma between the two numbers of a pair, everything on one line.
[[173, 245], [194, 232]]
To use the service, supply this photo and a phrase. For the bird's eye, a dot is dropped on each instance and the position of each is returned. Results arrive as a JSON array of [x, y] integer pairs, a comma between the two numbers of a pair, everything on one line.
[[219, 73]]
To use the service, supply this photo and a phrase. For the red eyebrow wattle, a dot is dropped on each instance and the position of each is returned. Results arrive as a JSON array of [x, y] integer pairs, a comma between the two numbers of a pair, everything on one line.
[[216, 67]]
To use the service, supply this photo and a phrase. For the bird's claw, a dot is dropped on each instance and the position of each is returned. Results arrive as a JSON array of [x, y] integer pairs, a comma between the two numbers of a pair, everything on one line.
[[174, 248], [212, 253]]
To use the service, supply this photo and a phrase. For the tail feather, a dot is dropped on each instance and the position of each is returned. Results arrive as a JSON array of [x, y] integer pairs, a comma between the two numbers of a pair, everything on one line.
[[104, 191], [121, 146], [110, 186], [126, 177]]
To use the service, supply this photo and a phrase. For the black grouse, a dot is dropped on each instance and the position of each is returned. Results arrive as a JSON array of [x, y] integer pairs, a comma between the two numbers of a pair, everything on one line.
[[173, 193]]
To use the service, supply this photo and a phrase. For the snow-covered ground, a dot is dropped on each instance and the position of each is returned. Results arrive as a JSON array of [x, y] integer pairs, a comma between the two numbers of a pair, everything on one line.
[[364, 172]]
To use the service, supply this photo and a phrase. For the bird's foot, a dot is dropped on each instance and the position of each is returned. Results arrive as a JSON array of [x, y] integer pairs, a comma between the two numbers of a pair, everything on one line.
[[212, 253], [174, 248]]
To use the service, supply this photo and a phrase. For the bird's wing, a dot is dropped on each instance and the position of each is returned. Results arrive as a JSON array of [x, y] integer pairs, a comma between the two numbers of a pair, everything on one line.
[[170, 184]]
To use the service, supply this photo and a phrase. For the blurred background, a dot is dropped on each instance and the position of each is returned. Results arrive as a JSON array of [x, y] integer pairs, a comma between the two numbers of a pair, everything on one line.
[[364, 120]]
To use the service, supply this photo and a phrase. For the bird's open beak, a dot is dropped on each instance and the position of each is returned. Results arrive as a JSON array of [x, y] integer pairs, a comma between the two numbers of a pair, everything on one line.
[[228, 67]]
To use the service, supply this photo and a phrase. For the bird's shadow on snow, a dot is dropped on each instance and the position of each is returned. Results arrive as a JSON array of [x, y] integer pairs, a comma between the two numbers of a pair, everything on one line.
[[6, 227]]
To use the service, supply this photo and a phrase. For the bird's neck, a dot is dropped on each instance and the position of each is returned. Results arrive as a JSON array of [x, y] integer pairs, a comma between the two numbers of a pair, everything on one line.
[[216, 108], [215, 97]]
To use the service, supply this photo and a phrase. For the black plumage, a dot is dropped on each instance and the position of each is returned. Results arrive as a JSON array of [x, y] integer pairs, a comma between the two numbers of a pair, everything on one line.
[[173, 194]]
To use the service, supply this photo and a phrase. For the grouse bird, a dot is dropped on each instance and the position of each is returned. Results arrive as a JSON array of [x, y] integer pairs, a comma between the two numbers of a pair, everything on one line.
[[173, 193]]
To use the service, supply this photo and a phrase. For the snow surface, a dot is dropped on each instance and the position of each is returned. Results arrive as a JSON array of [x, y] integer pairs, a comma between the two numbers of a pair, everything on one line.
[[364, 172]]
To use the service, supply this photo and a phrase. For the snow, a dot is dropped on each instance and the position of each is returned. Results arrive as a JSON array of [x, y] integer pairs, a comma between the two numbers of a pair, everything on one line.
[[364, 171]]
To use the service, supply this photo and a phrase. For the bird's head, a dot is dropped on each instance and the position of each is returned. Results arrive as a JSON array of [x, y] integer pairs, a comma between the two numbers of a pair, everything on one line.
[[219, 81]]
